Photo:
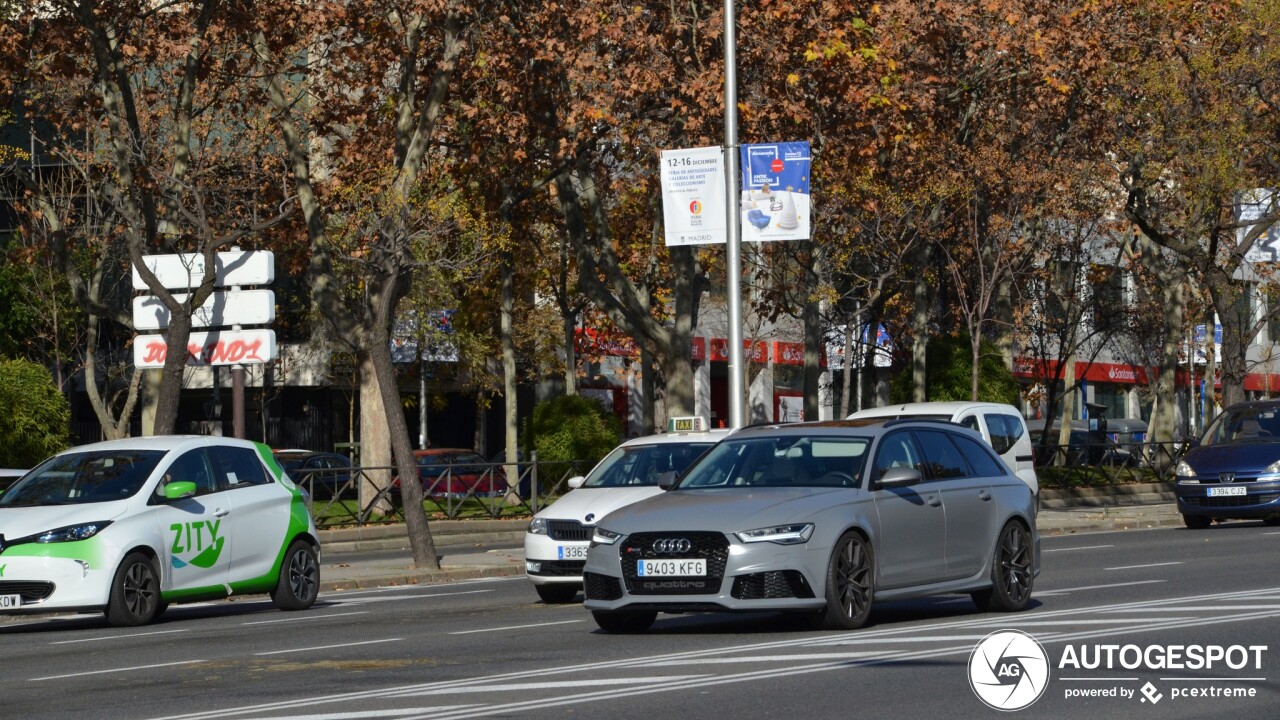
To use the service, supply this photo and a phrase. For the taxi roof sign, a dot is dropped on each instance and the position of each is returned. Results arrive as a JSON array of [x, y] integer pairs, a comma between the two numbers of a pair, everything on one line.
[[693, 423]]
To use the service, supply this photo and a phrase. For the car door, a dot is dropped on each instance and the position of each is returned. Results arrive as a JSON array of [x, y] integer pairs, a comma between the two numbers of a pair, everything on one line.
[[259, 517], [966, 498], [912, 547], [196, 553]]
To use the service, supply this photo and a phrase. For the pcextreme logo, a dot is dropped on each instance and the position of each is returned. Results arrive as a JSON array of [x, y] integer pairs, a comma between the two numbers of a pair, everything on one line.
[[1008, 670], [200, 537]]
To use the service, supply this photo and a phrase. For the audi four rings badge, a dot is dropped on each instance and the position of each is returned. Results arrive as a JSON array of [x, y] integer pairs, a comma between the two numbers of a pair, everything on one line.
[[672, 545]]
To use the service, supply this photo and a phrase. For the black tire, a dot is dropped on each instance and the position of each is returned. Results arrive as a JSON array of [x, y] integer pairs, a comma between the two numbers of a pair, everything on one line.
[[557, 594], [624, 622], [1271, 521], [1012, 572], [851, 585], [1197, 522], [299, 582], [135, 592]]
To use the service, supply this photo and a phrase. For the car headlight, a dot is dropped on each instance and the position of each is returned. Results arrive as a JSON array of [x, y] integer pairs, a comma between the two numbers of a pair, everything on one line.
[[1272, 469], [538, 526], [1184, 472], [780, 534], [72, 533], [604, 537]]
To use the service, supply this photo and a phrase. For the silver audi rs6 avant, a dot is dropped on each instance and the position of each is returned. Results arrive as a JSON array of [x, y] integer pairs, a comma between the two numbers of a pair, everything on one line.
[[824, 519]]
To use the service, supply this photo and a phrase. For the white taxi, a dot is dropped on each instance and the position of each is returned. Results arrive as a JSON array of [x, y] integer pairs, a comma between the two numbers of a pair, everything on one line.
[[127, 527], [555, 546]]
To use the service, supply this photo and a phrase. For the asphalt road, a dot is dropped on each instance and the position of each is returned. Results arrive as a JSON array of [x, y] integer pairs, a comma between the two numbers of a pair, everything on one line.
[[489, 649]]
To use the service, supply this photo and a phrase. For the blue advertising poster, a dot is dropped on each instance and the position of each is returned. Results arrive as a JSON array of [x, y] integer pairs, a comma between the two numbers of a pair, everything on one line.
[[775, 191]]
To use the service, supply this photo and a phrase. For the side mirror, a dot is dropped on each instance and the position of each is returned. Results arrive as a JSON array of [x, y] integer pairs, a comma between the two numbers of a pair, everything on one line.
[[576, 482], [667, 480], [179, 489], [899, 477]]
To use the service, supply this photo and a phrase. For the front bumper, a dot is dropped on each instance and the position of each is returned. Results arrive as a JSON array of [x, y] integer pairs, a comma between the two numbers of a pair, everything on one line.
[[554, 562], [1260, 499], [741, 577], [46, 584]]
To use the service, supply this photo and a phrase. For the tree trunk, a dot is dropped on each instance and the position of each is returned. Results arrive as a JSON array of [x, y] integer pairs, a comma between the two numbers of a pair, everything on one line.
[[1068, 403], [920, 328], [375, 445], [812, 354], [510, 438]]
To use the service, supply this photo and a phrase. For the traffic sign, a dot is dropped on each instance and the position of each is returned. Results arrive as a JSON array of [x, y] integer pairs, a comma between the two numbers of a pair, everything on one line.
[[237, 307], [218, 347], [236, 267]]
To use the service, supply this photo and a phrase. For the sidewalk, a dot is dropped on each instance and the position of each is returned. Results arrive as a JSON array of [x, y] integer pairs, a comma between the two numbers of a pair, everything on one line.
[[466, 546]]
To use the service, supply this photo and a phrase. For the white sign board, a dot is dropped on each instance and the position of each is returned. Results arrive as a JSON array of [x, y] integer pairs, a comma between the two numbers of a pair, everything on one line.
[[1251, 207], [219, 347], [693, 196], [255, 267], [238, 307]]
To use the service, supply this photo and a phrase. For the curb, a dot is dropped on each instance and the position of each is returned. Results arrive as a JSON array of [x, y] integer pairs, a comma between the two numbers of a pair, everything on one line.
[[1111, 525], [419, 577]]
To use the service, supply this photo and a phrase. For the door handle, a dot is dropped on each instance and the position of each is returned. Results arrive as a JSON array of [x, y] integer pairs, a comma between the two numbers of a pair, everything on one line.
[[221, 513], [984, 495], [935, 501]]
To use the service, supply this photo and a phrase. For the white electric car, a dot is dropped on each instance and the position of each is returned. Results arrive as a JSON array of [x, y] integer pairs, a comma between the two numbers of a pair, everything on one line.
[[127, 527], [555, 547]]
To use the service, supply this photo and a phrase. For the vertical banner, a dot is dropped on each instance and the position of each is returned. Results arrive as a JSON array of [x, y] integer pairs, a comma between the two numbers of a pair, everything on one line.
[[775, 191], [693, 196]]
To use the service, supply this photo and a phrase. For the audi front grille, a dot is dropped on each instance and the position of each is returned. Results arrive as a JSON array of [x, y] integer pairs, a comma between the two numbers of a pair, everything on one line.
[[600, 587], [712, 546]]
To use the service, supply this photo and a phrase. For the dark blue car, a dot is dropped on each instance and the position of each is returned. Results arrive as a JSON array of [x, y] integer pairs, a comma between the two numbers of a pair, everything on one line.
[[1233, 472]]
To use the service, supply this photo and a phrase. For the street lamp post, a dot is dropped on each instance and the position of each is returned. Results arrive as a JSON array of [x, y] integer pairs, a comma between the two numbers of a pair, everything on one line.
[[737, 368]]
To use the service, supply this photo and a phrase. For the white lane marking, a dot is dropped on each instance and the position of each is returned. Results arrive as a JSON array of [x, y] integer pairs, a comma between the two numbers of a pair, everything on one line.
[[328, 647], [1272, 533], [1096, 587], [1115, 621], [552, 685], [516, 627], [919, 638], [1202, 608], [117, 637], [1149, 565], [325, 647], [114, 670], [788, 657], [304, 618], [1086, 547], [358, 714], [365, 695], [388, 598]]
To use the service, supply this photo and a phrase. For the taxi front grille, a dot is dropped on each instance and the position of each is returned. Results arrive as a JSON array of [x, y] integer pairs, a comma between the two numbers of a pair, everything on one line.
[[569, 530]]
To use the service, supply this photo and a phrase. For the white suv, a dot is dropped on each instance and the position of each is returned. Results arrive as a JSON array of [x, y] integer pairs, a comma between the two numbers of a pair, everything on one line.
[[1002, 426], [555, 547]]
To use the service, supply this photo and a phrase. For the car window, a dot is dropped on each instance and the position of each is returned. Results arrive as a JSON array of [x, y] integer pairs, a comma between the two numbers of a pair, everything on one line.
[[971, 422], [788, 461], [237, 467], [84, 477], [984, 464], [897, 450], [1005, 431], [192, 467], [942, 458], [643, 464]]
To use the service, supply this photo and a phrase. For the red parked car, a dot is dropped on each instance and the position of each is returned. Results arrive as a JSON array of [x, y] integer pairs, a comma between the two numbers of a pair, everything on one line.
[[455, 472]]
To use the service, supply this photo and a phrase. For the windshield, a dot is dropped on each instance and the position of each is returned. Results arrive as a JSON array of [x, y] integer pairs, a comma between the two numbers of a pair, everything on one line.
[[86, 477], [1246, 423], [642, 464], [790, 461]]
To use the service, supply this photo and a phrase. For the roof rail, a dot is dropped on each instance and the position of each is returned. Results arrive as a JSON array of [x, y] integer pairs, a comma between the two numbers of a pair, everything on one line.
[[899, 421]]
